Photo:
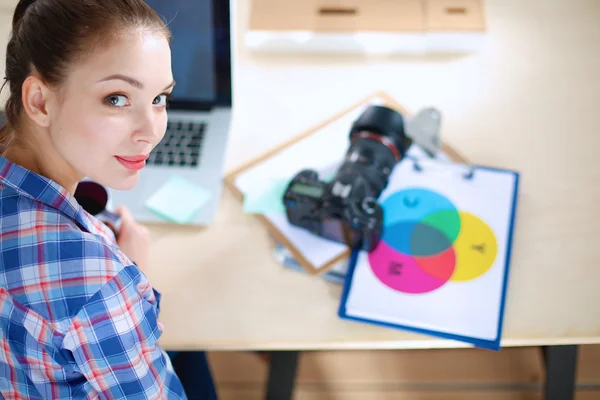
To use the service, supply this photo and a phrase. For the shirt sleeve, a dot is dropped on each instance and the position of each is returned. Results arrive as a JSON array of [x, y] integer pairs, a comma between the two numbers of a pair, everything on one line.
[[113, 339]]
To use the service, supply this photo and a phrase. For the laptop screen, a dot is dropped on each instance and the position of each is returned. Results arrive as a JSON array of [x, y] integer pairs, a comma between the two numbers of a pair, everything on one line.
[[200, 51]]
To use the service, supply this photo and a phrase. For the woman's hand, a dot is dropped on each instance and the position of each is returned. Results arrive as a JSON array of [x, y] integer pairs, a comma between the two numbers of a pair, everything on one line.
[[133, 238]]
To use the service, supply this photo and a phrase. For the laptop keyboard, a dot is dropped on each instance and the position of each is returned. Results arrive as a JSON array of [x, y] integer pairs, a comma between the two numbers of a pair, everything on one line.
[[180, 146]]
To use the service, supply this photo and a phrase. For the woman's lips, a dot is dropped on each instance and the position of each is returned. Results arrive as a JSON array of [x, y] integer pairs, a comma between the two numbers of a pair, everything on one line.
[[133, 162]]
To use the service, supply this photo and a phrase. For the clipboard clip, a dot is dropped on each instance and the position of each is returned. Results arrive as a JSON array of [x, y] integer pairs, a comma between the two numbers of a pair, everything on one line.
[[468, 175], [424, 131]]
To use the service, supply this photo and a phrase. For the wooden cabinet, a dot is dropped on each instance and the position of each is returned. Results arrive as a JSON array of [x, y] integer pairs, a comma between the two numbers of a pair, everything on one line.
[[365, 26], [366, 15]]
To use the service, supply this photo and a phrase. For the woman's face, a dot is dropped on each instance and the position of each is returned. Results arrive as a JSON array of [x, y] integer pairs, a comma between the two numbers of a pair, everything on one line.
[[111, 111]]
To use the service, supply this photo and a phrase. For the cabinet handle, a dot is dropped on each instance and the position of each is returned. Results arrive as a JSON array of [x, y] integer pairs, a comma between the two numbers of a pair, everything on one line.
[[337, 11], [456, 10]]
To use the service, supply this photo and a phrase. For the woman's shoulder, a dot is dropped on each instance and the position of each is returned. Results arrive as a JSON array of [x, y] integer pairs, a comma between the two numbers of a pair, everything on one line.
[[30, 220], [53, 266]]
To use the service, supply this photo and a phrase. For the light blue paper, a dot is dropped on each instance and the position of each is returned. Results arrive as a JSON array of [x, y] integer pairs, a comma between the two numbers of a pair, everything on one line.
[[178, 200], [267, 199]]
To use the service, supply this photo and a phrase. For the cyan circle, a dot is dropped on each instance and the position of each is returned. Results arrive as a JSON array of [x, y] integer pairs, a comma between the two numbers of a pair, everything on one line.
[[398, 236], [413, 205]]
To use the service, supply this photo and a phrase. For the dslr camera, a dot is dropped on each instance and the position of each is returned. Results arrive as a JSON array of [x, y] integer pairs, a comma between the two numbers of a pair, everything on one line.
[[345, 209]]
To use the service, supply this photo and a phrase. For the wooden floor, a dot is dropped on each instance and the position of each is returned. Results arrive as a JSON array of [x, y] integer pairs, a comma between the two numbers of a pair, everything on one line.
[[463, 374]]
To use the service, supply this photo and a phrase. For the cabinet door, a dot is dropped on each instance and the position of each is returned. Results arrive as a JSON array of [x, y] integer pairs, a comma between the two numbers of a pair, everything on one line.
[[338, 15], [454, 15], [278, 15]]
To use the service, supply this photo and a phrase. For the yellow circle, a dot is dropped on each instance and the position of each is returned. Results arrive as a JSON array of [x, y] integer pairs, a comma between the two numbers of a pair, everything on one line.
[[475, 248]]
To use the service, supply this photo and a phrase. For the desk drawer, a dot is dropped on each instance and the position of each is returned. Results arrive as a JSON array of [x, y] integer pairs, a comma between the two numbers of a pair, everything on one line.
[[338, 15], [455, 15], [278, 15]]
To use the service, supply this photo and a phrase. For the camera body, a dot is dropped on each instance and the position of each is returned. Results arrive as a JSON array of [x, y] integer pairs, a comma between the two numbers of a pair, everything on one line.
[[345, 209]]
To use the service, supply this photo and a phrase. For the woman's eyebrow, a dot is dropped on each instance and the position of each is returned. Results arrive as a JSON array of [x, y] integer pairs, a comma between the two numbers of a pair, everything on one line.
[[128, 79], [132, 81]]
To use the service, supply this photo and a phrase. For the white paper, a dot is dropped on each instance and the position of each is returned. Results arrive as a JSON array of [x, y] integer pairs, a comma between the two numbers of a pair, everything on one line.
[[323, 151], [470, 307]]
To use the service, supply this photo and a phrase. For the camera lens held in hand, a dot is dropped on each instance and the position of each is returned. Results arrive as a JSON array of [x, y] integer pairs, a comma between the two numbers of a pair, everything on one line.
[[345, 209]]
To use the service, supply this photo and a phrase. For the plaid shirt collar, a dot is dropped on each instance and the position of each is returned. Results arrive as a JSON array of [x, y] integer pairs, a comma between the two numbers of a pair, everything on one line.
[[50, 193]]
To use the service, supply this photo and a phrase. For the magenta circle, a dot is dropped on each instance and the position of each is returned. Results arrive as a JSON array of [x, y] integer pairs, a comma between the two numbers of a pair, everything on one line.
[[400, 271]]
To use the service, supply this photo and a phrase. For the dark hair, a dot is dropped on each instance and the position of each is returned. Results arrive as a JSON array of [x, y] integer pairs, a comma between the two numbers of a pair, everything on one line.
[[49, 35]]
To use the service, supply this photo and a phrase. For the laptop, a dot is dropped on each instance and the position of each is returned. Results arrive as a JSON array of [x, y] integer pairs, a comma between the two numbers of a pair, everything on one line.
[[199, 112]]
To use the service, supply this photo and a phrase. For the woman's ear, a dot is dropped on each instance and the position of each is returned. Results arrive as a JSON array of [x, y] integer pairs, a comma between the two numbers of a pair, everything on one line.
[[35, 94]]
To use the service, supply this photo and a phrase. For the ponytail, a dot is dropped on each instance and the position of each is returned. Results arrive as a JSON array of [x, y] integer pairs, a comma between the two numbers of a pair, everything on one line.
[[5, 129]]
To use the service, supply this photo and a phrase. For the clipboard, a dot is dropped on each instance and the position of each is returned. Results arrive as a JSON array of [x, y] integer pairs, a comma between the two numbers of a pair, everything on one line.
[[442, 267], [335, 254]]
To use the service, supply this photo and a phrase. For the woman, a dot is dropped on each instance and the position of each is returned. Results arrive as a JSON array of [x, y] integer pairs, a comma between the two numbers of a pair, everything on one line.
[[88, 82]]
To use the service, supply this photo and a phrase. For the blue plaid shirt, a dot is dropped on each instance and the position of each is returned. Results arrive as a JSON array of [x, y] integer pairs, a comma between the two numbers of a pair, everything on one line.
[[78, 319]]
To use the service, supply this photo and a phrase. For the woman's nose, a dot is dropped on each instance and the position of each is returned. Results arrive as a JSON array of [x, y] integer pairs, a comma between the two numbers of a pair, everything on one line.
[[151, 128]]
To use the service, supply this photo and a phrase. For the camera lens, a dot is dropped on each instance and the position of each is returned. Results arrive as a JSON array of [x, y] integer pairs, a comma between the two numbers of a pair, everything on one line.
[[377, 143], [384, 125]]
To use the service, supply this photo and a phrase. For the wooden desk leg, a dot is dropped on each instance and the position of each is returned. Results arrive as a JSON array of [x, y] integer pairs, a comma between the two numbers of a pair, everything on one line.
[[561, 367], [282, 375]]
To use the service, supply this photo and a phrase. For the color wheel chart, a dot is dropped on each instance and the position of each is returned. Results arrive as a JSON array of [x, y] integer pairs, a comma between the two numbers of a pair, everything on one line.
[[427, 242]]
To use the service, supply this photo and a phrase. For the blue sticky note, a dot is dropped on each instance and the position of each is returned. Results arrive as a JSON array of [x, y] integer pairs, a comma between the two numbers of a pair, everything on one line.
[[266, 199], [178, 199]]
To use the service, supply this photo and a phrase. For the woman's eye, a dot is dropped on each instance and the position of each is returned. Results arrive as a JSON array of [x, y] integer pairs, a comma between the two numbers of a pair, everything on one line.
[[160, 100], [117, 100]]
